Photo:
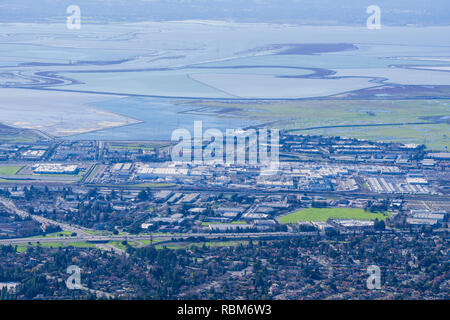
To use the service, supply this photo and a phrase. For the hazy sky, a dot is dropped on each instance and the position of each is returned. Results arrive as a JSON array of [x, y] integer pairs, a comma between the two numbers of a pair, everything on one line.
[[394, 12]]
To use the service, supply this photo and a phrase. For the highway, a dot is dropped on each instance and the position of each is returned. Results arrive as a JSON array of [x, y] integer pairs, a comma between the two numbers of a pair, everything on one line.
[[11, 208], [85, 235], [256, 191], [160, 237]]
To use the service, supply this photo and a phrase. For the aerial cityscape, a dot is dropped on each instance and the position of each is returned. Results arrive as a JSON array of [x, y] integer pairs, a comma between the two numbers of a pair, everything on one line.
[[178, 150]]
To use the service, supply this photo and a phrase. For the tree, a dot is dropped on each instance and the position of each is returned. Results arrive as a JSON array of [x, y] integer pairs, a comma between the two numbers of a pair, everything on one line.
[[143, 196], [379, 225]]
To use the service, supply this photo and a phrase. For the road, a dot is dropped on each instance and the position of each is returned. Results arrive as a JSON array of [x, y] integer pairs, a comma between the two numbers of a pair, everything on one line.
[[255, 191], [11, 208], [82, 234], [162, 237]]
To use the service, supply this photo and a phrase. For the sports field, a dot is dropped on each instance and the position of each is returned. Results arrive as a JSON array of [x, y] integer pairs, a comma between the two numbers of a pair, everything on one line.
[[323, 214]]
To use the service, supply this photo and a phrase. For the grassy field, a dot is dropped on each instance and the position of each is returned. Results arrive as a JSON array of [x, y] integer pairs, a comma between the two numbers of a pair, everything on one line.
[[13, 181], [9, 174], [119, 245], [55, 235], [434, 136], [225, 243], [201, 244], [147, 242], [323, 214], [18, 136], [140, 243], [75, 244], [303, 114], [10, 170], [97, 232]]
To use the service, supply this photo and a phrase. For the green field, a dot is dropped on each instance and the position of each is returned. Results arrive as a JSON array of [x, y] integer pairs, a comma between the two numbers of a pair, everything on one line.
[[147, 242], [97, 232], [209, 244], [9, 174], [9, 170], [309, 113], [75, 244], [13, 181], [54, 235], [323, 214], [119, 245], [18, 136], [8, 181], [434, 136]]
